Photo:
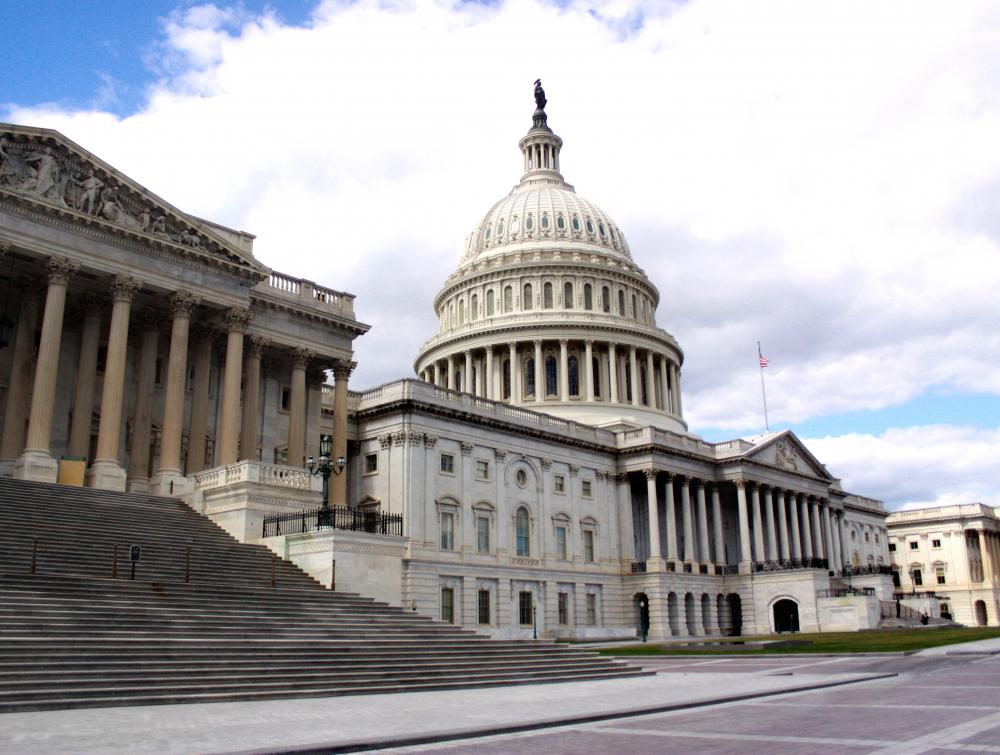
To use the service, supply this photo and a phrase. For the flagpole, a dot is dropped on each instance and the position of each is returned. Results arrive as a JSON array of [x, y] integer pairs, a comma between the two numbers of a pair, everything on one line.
[[763, 393]]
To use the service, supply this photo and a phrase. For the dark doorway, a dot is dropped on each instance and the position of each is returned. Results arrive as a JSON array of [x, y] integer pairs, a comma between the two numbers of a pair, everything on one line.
[[641, 602], [786, 616], [736, 614], [980, 613]]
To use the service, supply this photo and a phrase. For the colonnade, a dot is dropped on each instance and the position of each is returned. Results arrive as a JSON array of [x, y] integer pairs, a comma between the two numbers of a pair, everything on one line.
[[776, 526], [33, 382], [562, 370]]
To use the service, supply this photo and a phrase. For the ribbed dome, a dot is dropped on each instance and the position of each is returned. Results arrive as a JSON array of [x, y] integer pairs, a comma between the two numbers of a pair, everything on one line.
[[534, 213]]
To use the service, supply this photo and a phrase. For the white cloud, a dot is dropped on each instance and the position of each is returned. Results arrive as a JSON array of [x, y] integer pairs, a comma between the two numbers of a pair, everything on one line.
[[819, 176]]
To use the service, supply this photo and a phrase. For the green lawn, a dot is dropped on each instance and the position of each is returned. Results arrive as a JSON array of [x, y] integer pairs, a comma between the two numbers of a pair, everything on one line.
[[892, 640]]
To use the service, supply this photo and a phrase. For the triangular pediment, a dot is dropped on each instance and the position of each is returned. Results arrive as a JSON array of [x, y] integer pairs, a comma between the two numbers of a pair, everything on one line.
[[44, 168], [785, 451]]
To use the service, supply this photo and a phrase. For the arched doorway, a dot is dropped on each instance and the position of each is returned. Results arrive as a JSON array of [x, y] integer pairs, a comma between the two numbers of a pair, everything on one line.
[[735, 614], [980, 613], [672, 614], [689, 618], [641, 602], [786, 615]]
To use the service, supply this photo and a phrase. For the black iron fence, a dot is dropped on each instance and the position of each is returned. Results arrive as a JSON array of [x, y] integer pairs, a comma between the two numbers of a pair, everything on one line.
[[638, 567], [845, 592], [790, 564], [860, 571], [336, 518]]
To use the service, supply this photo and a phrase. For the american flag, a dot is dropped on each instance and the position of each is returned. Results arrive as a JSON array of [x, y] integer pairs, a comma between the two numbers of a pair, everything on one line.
[[763, 361]]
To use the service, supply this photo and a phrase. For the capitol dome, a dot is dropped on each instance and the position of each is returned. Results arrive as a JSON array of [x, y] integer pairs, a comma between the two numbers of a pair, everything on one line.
[[547, 309]]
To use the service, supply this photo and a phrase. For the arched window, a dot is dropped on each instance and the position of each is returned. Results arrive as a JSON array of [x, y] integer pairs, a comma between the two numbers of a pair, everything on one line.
[[588, 297], [474, 307], [595, 370], [523, 535], [568, 295], [508, 299], [461, 312], [551, 384], [606, 299], [574, 376], [526, 301], [489, 303], [506, 379], [451, 315], [547, 296], [621, 303], [529, 378]]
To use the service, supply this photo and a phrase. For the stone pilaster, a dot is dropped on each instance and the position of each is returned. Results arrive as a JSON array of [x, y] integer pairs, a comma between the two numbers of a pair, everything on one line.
[[687, 520], [237, 321], [297, 407], [719, 550], [251, 396], [36, 462], [342, 370], [741, 504], [671, 511], [703, 553], [106, 471], [653, 516]]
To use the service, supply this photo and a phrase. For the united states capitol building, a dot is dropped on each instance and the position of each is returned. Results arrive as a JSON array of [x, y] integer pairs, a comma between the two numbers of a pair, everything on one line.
[[539, 462]]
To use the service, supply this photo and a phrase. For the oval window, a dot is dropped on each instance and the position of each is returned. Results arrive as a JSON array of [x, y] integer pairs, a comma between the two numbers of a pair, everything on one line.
[[486, 235], [576, 224], [529, 222], [521, 477], [600, 229], [545, 221], [560, 222], [500, 228], [590, 226], [514, 224], [613, 237]]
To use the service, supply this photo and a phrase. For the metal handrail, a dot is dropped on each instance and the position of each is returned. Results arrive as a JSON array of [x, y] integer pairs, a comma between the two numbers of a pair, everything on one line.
[[354, 520]]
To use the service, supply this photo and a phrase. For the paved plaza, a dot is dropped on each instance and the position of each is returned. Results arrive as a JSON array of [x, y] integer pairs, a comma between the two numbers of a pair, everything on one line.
[[933, 702]]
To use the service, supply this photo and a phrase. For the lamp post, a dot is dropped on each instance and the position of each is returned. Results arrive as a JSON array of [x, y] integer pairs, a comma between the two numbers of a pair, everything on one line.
[[324, 468]]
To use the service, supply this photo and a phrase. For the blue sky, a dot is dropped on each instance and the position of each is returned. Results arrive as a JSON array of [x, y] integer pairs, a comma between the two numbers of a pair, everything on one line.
[[821, 177]]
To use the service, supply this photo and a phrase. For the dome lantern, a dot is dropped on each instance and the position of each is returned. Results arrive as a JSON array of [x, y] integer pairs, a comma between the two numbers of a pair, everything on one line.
[[540, 147]]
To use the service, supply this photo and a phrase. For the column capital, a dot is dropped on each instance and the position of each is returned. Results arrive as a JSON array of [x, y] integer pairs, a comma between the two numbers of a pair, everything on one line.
[[740, 484], [61, 269], [511, 344], [620, 477], [632, 350], [301, 357], [652, 472], [123, 288], [563, 342], [237, 319], [589, 342], [255, 344], [538, 343], [343, 368], [182, 303]]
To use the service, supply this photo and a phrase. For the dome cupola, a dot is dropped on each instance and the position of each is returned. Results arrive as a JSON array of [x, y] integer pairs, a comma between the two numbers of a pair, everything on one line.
[[547, 309]]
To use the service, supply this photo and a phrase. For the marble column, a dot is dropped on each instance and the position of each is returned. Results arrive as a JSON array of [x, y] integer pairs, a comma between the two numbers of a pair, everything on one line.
[[817, 529], [626, 526], [515, 393], [105, 471], [842, 542], [297, 406], [148, 322], [36, 462], [237, 321], [198, 425], [650, 381], [488, 377], [169, 478], [837, 548], [828, 529], [588, 370], [782, 514], [86, 378], [315, 380], [249, 432], [467, 384], [758, 527], [664, 384], [677, 390], [674, 396], [703, 553], [741, 505], [539, 373], [793, 515], [686, 517], [653, 517], [772, 540], [612, 373], [633, 363], [22, 374], [563, 369], [719, 546], [807, 541], [671, 511], [451, 373], [338, 483]]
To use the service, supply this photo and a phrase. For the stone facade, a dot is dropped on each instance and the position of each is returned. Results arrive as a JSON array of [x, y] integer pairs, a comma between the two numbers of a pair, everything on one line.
[[951, 553]]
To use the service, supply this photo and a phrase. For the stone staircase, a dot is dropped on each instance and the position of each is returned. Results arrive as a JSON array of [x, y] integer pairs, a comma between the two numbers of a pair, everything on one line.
[[201, 622]]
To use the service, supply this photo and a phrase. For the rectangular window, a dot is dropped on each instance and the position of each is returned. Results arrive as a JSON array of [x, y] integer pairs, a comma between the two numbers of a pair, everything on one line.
[[867, 538], [588, 546], [483, 534], [892, 547], [591, 609], [447, 463], [935, 543], [447, 531], [918, 578], [914, 545], [559, 483], [563, 609], [524, 606], [448, 605], [561, 543], [585, 489], [484, 606], [482, 470], [371, 463], [939, 573]]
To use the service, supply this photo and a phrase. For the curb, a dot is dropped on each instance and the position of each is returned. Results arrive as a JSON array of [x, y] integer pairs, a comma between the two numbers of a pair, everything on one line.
[[545, 723]]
